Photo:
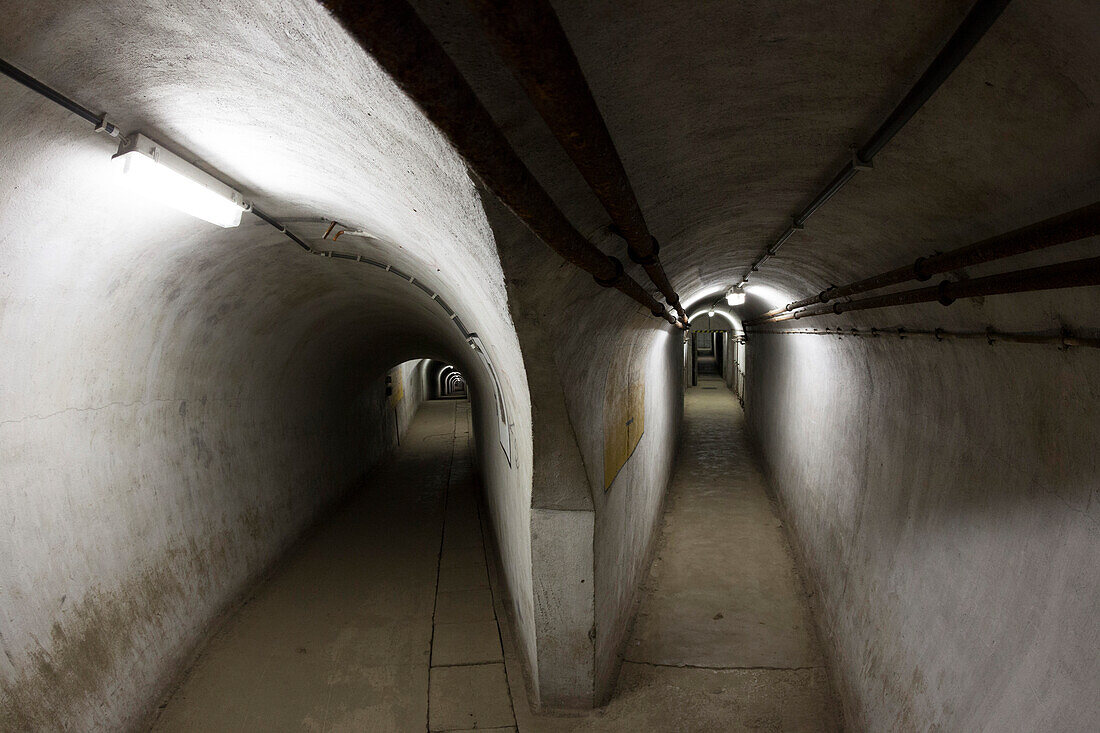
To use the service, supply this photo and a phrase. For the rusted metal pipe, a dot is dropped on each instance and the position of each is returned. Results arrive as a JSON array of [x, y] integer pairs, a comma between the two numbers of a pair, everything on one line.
[[1073, 274], [980, 18], [1068, 227], [1063, 339], [391, 32], [528, 36]]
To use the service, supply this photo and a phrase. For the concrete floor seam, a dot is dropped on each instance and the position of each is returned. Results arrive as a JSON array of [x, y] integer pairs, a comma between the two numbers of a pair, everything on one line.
[[438, 569], [492, 590], [701, 666]]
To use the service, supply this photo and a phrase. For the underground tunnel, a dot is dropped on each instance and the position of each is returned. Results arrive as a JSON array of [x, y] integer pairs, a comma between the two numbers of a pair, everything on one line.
[[549, 366]]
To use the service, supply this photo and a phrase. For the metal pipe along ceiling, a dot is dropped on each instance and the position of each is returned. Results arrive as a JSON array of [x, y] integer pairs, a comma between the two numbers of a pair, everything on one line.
[[1063, 339], [980, 18], [529, 37], [1069, 227], [1073, 274], [394, 35]]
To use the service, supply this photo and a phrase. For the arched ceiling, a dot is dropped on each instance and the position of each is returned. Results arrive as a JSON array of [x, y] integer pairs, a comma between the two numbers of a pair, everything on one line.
[[729, 117], [274, 98]]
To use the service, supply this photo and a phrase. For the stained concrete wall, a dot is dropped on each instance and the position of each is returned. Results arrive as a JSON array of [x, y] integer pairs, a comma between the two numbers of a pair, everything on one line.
[[410, 376], [943, 496], [148, 485], [593, 546], [572, 332], [181, 401], [628, 514]]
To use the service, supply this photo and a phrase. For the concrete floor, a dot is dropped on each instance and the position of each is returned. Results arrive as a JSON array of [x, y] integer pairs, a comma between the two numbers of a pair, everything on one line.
[[381, 620], [384, 618], [723, 639]]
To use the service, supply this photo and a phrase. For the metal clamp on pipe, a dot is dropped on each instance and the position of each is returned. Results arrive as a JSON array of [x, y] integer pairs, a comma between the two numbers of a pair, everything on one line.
[[614, 279], [648, 261], [945, 298], [919, 272]]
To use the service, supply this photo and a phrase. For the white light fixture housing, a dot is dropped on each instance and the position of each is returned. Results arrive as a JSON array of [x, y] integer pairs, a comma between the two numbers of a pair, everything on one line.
[[710, 313], [735, 295], [152, 171]]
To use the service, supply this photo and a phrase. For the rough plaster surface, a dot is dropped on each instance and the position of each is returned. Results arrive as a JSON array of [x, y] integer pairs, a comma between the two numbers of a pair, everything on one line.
[[571, 332], [562, 565], [181, 400], [728, 117], [944, 498]]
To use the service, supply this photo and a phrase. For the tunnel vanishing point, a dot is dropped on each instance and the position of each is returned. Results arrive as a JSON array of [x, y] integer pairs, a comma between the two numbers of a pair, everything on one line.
[[550, 365]]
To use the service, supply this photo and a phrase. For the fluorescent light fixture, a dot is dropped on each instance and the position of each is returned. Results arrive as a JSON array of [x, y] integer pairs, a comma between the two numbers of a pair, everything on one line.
[[152, 171], [735, 295]]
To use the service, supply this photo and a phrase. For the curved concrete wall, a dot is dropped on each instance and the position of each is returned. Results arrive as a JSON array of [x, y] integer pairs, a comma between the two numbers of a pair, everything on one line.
[[943, 497], [591, 546], [181, 401]]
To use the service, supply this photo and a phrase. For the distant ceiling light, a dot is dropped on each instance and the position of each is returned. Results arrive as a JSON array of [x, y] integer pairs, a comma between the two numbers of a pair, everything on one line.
[[735, 295], [710, 313], [160, 174]]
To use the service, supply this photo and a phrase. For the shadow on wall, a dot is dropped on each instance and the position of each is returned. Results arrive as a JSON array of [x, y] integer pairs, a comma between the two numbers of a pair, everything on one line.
[[605, 386]]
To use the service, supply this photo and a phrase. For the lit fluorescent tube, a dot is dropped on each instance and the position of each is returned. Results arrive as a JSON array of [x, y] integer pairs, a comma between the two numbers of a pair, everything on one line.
[[735, 296], [160, 174]]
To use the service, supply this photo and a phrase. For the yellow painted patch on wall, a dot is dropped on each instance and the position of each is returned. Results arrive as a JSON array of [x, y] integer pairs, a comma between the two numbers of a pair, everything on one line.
[[623, 417], [398, 385]]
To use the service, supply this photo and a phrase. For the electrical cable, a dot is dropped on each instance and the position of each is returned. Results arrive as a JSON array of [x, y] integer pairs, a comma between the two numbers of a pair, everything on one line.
[[100, 121]]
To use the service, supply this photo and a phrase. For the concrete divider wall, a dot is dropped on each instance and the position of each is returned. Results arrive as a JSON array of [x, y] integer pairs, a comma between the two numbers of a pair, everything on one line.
[[628, 514], [571, 333], [507, 479], [592, 547]]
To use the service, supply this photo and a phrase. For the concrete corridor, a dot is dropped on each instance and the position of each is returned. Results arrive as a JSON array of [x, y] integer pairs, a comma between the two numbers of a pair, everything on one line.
[[723, 639], [380, 620], [724, 631], [383, 619], [243, 244]]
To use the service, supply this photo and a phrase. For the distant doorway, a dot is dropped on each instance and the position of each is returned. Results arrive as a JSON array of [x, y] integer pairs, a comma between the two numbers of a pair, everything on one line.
[[715, 352]]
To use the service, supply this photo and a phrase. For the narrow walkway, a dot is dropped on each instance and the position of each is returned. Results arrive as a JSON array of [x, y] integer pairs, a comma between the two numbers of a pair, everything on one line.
[[381, 620], [723, 640], [384, 619]]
